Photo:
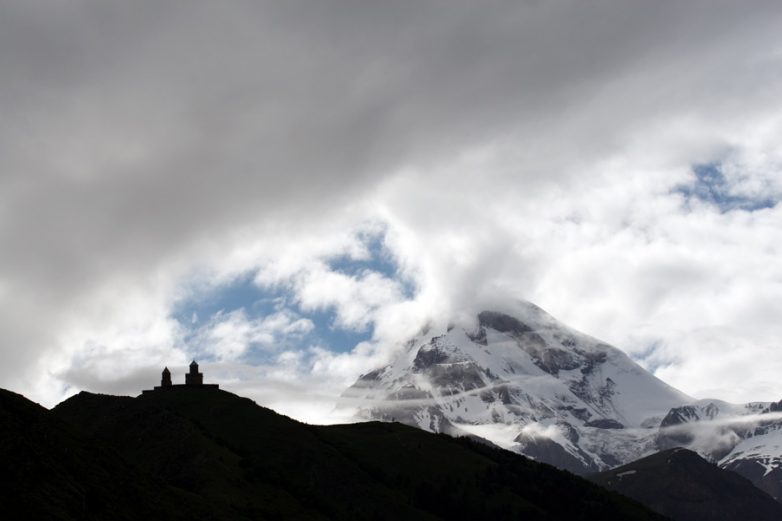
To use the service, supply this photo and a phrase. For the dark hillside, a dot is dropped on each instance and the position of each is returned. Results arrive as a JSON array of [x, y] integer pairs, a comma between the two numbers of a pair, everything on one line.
[[51, 472], [224, 457], [684, 486]]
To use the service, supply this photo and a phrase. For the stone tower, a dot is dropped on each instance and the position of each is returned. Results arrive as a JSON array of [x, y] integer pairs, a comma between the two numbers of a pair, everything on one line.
[[194, 377], [165, 381]]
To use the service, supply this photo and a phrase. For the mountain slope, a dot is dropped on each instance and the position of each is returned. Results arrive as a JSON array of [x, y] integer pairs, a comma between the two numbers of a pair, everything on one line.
[[759, 459], [526, 383], [745, 438], [530, 384], [51, 471], [255, 464], [683, 486]]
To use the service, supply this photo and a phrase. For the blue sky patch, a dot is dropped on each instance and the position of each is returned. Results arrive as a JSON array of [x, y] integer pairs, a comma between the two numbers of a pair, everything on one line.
[[199, 308], [711, 186], [380, 260], [333, 337], [239, 293], [258, 302], [645, 357]]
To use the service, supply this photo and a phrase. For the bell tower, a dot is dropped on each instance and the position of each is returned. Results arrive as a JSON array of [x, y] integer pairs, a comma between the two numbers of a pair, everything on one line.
[[194, 377], [165, 381]]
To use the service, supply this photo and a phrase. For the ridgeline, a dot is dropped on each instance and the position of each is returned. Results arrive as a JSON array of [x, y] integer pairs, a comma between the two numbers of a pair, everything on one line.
[[203, 453]]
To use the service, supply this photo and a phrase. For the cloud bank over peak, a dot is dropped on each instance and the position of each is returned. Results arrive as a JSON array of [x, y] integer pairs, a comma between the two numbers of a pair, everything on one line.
[[361, 168]]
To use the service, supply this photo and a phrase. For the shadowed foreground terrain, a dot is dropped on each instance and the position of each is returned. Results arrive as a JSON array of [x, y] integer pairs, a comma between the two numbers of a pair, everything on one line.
[[685, 487], [209, 454]]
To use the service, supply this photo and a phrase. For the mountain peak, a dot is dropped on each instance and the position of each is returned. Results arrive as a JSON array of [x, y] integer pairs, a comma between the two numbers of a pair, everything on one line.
[[525, 382]]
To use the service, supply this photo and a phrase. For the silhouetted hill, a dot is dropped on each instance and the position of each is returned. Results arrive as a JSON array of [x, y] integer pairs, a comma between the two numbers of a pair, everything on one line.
[[685, 487], [52, 471], [208, 454]]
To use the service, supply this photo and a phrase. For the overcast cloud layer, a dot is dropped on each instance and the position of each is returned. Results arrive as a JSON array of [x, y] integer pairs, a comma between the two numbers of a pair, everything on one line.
[[615, 162]]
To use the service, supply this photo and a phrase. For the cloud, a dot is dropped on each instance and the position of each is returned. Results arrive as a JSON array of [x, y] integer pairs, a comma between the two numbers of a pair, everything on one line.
[[712, 187], [228, 336], [356, 299], [715, 438], [528, 149]]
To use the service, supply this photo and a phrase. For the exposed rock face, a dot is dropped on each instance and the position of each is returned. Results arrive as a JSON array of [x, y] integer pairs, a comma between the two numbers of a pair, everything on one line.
[[605, 423], [527, 383], [689, 413]]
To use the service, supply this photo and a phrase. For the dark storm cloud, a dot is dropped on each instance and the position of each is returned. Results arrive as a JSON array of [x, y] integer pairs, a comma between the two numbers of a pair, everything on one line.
[[157, 119], [132, 132]]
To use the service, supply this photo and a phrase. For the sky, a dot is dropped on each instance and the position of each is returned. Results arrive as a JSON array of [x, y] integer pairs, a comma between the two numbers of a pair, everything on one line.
[[288, 191]]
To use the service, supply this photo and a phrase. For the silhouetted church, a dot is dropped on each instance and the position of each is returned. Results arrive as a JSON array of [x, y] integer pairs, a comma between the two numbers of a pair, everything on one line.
[[193, 379]]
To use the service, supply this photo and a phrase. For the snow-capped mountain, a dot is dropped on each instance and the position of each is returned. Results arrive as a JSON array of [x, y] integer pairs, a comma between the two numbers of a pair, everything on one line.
[[526, 383], [532, 385]]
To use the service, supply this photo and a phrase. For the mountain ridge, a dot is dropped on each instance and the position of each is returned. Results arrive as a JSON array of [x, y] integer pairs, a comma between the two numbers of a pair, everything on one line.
[[208, 454], [680, 484]]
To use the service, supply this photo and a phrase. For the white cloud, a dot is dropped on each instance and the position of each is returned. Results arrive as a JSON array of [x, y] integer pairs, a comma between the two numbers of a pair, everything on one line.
[[529, 150], [356, 299], [230, 335]]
